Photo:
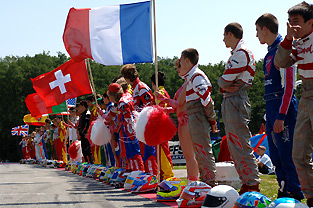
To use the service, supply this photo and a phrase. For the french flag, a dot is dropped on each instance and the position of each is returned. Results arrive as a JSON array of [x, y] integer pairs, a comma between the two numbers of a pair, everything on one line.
[[110, 35]]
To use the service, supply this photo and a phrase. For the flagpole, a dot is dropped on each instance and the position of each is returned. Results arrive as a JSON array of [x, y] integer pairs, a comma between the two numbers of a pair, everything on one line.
[[92, 83], [156, 81]]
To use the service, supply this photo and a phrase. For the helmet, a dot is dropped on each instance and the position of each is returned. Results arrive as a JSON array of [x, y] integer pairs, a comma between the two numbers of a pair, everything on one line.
[[220, 196], [130, 179], [193, 195], [252, 199], [287, 203], [144, 183], [107, 176], [170, 189], [121, 178], [98, 171], [102, 173], [50, 164], [115, 175]]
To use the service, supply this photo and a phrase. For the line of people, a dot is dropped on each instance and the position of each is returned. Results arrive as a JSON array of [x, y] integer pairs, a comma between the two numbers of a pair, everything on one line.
[[194, 107]]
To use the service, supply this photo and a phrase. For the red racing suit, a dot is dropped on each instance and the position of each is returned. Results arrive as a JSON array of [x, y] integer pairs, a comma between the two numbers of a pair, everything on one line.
[[166, 164], [143, 96], [287, 54], [130, 150]]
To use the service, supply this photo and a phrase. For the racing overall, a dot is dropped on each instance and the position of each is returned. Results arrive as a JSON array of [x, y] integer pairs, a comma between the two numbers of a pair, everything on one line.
[[166, 164], [129, 144], [201, 115], [281, 103], [301, 52], [142, 96], [240, 69]]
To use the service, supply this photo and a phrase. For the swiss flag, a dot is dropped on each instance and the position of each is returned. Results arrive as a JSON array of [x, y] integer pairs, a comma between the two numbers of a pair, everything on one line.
[[67, 81]]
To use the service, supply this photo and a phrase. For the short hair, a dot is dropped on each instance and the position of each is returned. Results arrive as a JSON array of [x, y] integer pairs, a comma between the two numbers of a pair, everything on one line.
[[262, 148], [90, 98], [304, 9], [161, 78], [269, 21], [116, 78], [105, 95], [73, 109], [130, 72], [83, 103], [48, 120], [192, 54], [121, 81], [235, 28]]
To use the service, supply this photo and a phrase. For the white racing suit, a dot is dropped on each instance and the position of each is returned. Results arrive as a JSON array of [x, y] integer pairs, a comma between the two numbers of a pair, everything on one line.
[[240, 69], [201, 115], [286, 55]]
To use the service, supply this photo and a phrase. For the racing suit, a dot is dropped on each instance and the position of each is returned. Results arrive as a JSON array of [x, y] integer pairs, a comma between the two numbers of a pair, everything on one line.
[[143, 96], [281, 104], [166, 164], [201, 115], [240, 69], [287, 54], [130, 150]]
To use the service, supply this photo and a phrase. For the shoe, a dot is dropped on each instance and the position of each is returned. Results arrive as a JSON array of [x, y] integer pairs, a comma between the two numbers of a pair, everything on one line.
[[298, 197], [310, 202], [281, 194], [245, 188]]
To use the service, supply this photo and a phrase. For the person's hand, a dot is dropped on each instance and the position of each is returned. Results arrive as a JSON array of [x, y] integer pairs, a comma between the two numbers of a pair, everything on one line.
[[214, 128], [292, 31], [279, 126], [232, 88]]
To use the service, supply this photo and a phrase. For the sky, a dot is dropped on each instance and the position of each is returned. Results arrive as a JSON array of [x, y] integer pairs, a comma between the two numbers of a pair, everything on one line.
[[33, 26]]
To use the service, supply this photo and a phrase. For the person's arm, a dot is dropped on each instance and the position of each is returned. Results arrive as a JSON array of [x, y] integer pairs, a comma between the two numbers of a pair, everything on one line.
[[288, 78], [202, 88], [238, 64], [171, 102], [285, 56]]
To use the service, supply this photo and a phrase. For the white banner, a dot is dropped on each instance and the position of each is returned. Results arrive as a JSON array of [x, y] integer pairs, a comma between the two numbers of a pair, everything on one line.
[[176, 152]]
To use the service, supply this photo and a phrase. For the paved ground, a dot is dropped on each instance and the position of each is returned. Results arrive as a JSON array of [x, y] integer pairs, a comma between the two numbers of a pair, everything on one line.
[[25, 185]]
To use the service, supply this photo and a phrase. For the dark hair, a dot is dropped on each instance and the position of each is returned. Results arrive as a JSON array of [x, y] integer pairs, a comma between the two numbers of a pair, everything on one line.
[[161, 78], [58, 116], [192, 54], [105, 95], [116, 78], [48, 120], [72, 109], [269, 21], [91, 98], [129, 71], [235, 28], [83, 103], [304, 9]]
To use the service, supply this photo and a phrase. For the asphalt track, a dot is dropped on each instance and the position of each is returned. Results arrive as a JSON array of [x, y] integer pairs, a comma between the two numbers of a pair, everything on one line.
[[30, 185]]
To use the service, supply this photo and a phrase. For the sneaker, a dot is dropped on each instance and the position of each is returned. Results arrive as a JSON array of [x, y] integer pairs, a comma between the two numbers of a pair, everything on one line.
[[245, 188], [298, 197], [310, 202], [281, 194]]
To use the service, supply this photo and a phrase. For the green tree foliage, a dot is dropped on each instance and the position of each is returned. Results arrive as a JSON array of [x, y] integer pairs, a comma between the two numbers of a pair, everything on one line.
[[15, 85]]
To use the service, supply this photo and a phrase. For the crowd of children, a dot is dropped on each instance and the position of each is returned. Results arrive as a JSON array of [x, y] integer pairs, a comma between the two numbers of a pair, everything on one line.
[[127, 96]]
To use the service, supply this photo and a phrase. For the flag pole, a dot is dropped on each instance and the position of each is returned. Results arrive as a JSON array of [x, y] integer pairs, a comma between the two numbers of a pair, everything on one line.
[[156, 81], [92, 83]]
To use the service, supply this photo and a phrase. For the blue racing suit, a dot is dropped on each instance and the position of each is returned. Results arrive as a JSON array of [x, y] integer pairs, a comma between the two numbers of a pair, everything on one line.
[[281, 104]]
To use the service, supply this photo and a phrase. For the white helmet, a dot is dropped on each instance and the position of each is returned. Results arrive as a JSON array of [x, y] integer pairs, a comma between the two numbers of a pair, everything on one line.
[[221, 196], [286, 202]]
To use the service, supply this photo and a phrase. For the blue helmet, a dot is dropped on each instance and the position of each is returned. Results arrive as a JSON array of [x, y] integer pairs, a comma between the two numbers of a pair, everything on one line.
[[287, 203], [252, 199]]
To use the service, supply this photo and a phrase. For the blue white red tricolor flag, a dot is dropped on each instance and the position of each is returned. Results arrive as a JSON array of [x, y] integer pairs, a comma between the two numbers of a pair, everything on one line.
[[20, 130], [110, 35]]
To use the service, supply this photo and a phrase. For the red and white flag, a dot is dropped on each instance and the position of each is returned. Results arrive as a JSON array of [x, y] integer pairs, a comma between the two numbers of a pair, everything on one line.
[[67, 81]]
